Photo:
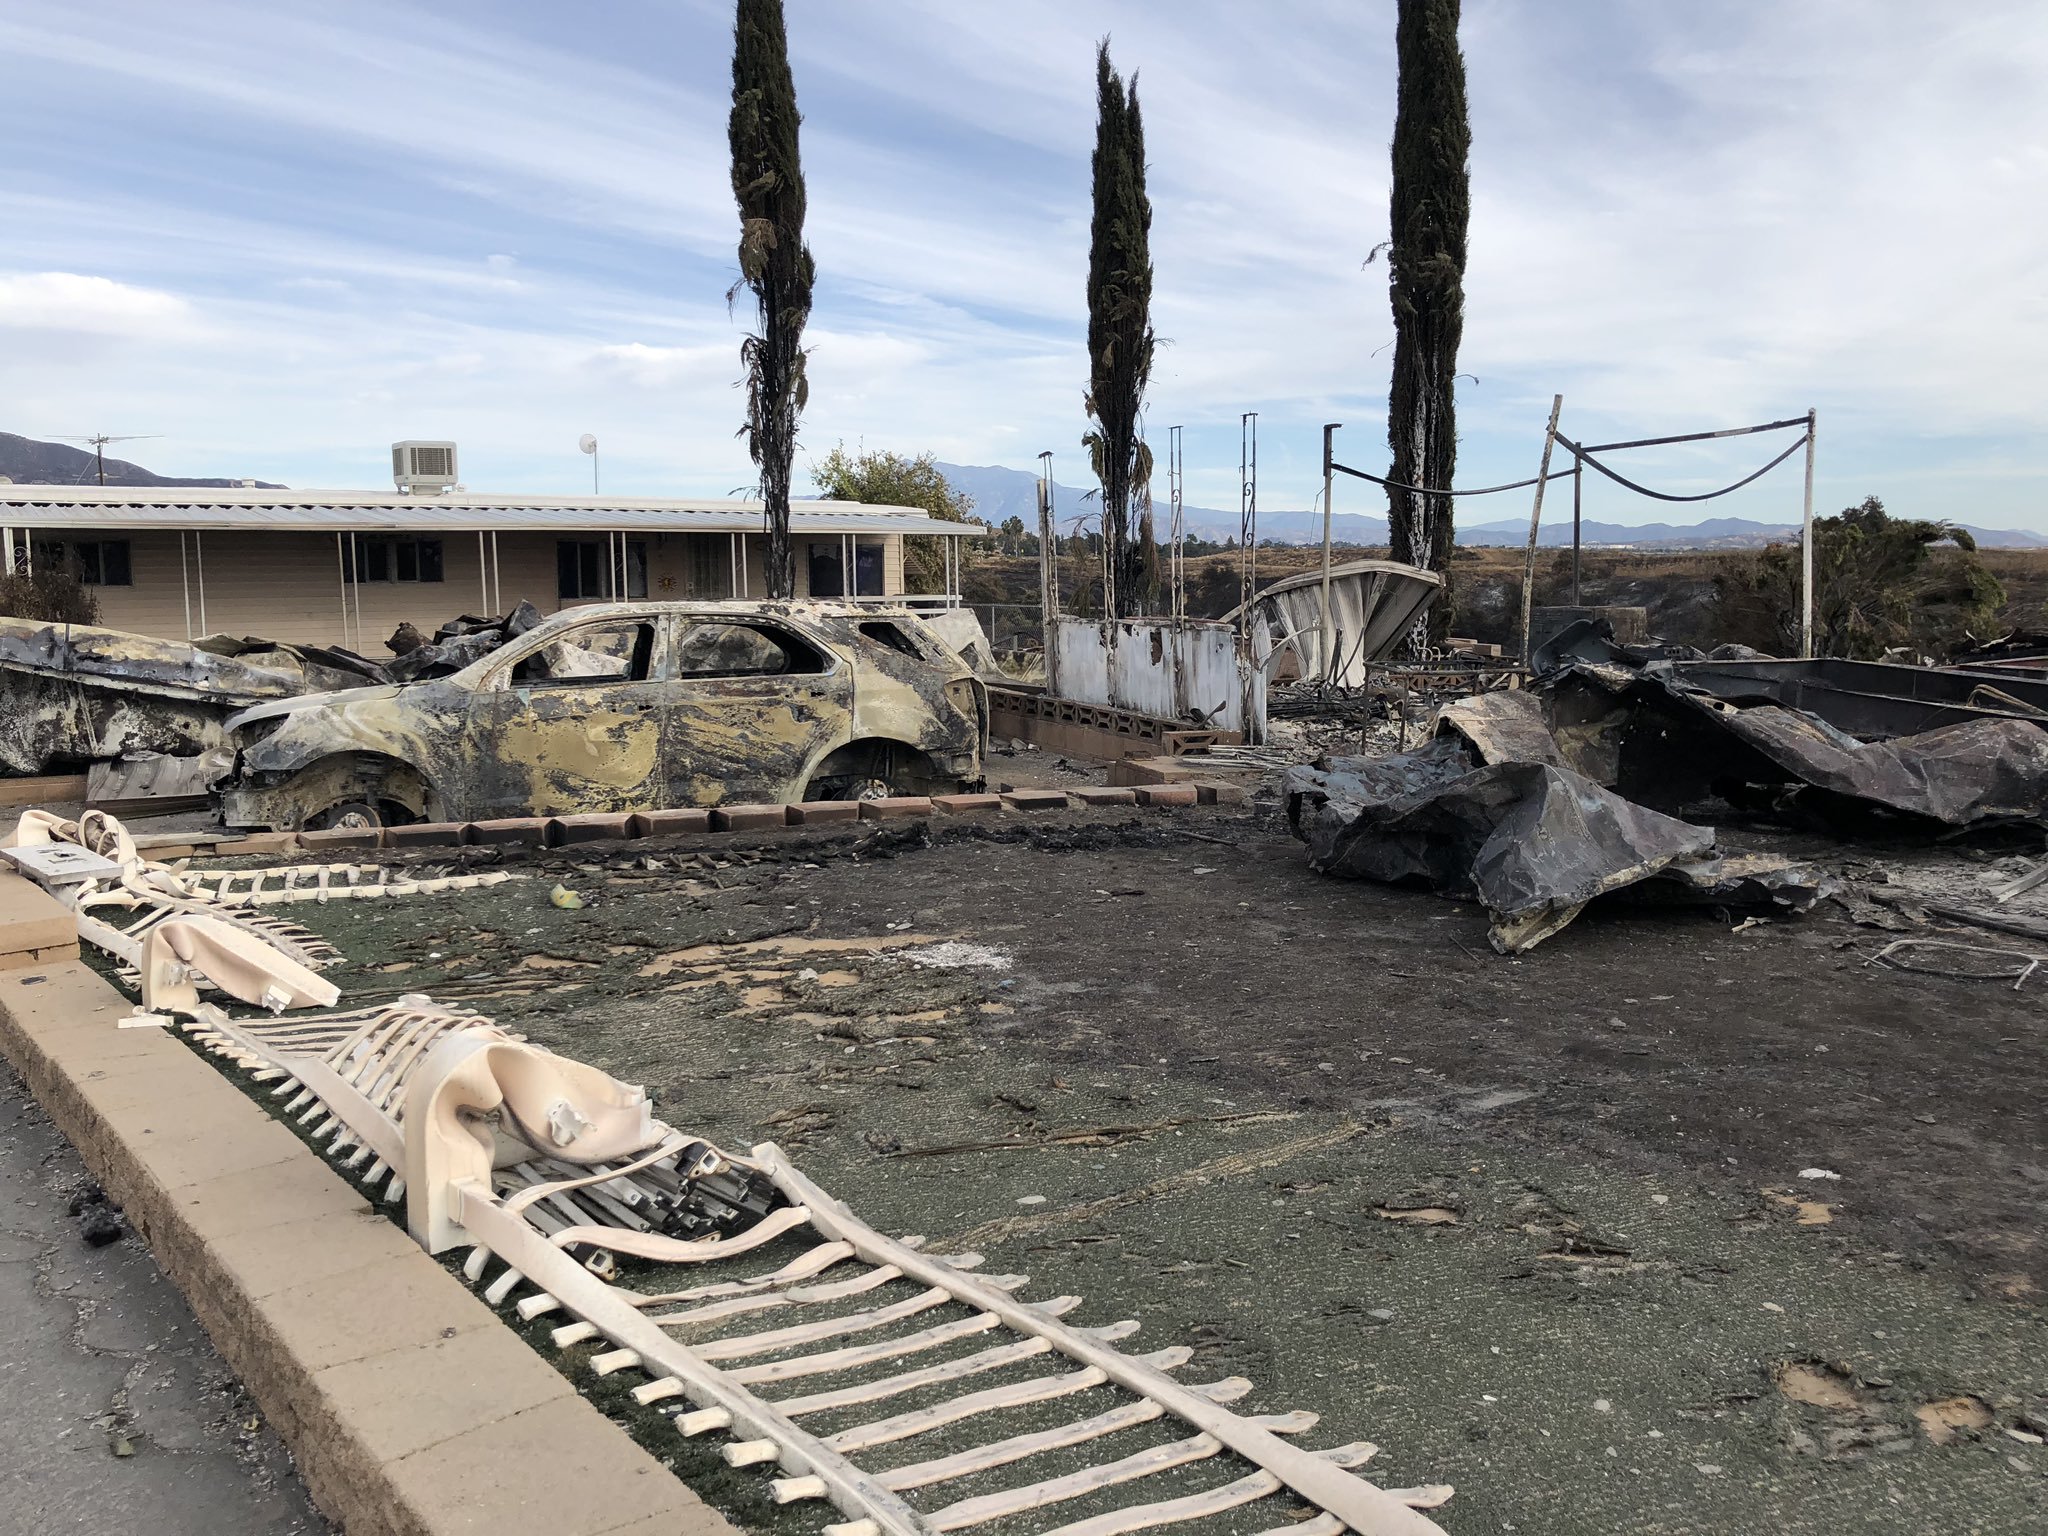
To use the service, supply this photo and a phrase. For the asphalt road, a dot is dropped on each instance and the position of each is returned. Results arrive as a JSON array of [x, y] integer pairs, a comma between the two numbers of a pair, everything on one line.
[[115, 1412]]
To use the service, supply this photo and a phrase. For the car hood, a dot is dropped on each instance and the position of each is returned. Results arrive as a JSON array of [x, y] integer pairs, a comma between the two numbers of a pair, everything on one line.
[[340, 698]]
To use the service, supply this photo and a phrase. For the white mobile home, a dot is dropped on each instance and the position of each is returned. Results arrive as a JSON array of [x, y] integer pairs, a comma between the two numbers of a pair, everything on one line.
[[347, 567]]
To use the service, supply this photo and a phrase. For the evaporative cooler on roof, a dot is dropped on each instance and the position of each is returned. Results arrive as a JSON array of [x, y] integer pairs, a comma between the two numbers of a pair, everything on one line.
[[423, 468]]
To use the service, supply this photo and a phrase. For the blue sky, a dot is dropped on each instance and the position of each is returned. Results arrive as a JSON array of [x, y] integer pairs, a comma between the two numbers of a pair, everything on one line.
[[283, 235]]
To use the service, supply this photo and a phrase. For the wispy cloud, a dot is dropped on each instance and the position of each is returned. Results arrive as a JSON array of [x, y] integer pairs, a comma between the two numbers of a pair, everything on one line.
[[71, 302]]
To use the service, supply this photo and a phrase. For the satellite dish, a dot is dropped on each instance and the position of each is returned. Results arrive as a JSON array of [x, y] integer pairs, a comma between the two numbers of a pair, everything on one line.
[[587, 442]]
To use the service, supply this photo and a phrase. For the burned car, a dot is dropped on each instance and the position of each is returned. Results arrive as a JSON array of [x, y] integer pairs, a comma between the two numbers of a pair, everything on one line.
[[627, 706]]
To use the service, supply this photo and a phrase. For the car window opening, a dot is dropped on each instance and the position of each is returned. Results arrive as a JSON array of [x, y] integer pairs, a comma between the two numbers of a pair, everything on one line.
[[891, 635], [741, 650], [602, 653]]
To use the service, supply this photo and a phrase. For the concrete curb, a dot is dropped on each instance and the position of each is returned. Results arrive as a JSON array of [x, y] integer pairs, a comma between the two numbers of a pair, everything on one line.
[[411, 1409]]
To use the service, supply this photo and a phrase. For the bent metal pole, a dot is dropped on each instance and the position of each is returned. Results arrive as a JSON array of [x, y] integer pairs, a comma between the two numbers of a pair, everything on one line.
[[1806, 548], [1536, 521]]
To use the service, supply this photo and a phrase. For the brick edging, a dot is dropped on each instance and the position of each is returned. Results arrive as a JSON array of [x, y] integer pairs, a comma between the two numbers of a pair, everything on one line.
[[611, 826], [410, 1407]]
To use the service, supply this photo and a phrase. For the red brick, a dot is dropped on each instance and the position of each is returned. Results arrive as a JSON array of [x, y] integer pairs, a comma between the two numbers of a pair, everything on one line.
[[427, 834], [967, 805], [1034, 799], [814, 812], [256, 845], [748, 818], [1220, 792], [1148, 770], [511, 829], [895, 808], [1167, 794], [1098, 794], [669, 823], [327, 842], [589, 827]]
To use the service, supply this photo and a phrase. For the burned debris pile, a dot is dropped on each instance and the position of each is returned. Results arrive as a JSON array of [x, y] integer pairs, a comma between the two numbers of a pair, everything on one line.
[[1601, 776], [1532, 841], [73, 695], [454, 645]]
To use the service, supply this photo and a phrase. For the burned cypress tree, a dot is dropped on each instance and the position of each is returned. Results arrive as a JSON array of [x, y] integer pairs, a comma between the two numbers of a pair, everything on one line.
[[1431, 209], [768, 183], [1120, 333]]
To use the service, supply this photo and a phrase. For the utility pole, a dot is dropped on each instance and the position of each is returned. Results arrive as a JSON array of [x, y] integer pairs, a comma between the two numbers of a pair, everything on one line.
[[1806, 547], [1247, 517], [1328, 639], [1578, 486], [1048, 573], [1536, 521]]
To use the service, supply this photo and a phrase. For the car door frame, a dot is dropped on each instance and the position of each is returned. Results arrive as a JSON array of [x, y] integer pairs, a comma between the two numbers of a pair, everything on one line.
[[514, 777], [799, 718]]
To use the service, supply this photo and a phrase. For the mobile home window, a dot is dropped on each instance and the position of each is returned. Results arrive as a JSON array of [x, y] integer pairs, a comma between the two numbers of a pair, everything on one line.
[[386, 559], [96, 562], [583, 568], [705, 567], [828, 568]]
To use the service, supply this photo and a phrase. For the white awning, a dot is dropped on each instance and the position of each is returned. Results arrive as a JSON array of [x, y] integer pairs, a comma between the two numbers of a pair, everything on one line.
[[174, 507]]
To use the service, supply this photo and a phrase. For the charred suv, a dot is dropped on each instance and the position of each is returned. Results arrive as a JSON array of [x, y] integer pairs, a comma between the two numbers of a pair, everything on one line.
[[627, 706]]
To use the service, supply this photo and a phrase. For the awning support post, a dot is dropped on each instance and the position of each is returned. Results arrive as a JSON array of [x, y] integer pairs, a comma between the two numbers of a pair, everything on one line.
[[199, 566], [199, 563]]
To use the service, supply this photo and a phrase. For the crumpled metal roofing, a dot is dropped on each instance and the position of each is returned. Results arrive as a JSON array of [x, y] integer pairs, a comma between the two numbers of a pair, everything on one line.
[[207, 507]]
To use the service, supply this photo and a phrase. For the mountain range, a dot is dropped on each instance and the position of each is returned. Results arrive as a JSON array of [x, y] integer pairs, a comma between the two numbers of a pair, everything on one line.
[[1001, 493], [28, 462]]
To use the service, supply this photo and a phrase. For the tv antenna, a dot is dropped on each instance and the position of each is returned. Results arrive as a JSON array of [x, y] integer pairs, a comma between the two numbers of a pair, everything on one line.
[[99, 441]]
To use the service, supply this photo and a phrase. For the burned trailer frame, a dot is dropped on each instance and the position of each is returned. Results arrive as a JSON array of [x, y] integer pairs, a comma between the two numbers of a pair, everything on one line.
[[691, 704], [1871, 700], [1657, 742]]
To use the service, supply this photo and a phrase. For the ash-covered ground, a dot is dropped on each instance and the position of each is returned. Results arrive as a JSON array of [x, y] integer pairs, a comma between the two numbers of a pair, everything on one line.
[[1550, 1229]]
